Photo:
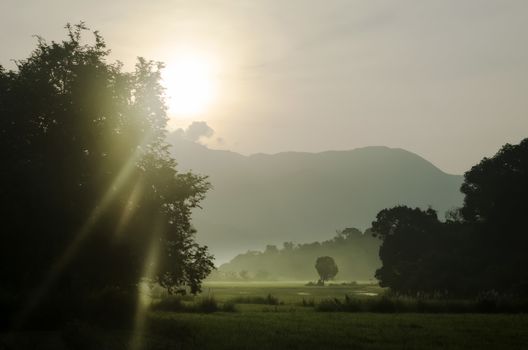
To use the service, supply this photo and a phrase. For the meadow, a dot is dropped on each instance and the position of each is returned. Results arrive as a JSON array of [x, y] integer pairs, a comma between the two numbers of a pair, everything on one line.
[[273, 316]]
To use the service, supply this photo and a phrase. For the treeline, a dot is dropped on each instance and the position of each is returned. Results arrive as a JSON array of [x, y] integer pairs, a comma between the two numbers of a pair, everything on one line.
[[481, 248], [355, 253]]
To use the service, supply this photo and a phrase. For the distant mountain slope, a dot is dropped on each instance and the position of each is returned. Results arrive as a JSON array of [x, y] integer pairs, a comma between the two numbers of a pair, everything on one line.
[[269, 199]]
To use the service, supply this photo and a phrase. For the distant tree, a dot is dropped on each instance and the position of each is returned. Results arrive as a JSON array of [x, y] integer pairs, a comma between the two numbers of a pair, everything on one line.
[[357, 253], [262, 275], [326, 268], [271, 249], [89, 195], [288, 246], [244, 274]]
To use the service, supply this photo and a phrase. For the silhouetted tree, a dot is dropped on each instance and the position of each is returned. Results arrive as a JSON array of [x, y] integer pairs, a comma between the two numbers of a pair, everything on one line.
[[326, 268], [90, 197], [495, 206], [481, 246], [417, 251]]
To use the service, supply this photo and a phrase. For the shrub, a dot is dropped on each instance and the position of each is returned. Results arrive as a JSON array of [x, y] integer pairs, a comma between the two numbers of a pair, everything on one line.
[[229, 307], [267, 300], [206, 304], [486, 303], [329, 305], [170, 303], [308, 303]]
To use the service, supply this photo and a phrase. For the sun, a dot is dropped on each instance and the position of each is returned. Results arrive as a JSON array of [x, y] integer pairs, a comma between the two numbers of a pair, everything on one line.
[[189, 83]]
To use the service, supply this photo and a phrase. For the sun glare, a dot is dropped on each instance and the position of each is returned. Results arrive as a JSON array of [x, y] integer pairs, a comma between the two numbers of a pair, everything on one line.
[[190, 86]]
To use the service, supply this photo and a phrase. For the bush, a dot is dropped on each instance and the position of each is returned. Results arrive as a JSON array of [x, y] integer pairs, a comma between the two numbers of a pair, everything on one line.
[[329, 305], [267, 300], [384, 304], [229, 307], [308, 303], [170, 303], [206, 304], [486, 303]]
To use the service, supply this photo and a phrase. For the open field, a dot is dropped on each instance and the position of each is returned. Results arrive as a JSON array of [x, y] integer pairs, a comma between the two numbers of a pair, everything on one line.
[[296, 329], [289, 326], [288, 292]]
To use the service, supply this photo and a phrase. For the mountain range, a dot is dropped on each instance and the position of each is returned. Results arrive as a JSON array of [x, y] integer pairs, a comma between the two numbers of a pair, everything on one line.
[[303, 197]]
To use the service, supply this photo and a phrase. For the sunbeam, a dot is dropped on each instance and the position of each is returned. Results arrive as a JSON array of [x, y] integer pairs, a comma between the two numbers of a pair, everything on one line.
[[143, 300], [69, 253]]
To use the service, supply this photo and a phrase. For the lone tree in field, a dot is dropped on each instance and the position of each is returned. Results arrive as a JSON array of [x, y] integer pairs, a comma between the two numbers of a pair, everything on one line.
[[90, 197], [326, 268]]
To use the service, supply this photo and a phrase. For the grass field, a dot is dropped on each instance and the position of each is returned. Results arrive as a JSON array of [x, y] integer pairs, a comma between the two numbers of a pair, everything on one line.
[[288, 292], [290, 326]]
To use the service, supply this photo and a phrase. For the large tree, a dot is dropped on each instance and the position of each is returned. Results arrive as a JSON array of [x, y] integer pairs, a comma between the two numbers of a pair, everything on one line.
[[481, 247], [495, 206], [89, 195], [419, 253]]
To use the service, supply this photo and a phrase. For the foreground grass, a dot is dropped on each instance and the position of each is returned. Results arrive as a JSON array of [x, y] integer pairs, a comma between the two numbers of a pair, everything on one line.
[[310, 330], [282, 327], [270, 316]]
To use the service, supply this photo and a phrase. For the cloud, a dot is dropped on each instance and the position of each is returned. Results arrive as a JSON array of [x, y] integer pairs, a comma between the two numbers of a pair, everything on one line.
[[194, 132], [197, 130]]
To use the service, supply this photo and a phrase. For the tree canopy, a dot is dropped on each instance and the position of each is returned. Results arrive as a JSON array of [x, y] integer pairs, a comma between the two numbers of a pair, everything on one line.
[[90, 197], [326, 268], [481, 247]]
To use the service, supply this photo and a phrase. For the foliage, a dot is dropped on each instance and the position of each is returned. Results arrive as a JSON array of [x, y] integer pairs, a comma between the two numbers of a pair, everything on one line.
[[326, 268], [402, 304], [205, 304], [90, 197], [267, 300], [495, 207], [480, 248]]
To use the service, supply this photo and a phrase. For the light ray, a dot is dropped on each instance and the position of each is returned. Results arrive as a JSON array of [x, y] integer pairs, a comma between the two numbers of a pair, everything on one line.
[[130, 208], [80, 236], [149, 269]]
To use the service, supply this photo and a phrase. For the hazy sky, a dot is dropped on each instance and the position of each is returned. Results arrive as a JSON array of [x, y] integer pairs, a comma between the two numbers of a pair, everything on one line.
[[447, 79]]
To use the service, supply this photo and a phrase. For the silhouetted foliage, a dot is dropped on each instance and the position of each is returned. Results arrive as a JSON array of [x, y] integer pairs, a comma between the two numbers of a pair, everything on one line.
[[480, 248], [419, 253], [90, 197], [326, 268], [495, 207]]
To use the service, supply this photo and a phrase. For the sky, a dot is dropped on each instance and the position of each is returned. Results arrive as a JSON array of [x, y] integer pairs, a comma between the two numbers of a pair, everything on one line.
[[446, 79]]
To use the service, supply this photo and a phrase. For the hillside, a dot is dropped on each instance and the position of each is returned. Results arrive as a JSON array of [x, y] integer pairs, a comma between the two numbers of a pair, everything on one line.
[[293, 196], [355, 253]]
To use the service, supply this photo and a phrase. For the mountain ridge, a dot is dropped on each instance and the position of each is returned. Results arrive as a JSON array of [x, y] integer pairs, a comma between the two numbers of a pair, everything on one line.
[[264, 199]]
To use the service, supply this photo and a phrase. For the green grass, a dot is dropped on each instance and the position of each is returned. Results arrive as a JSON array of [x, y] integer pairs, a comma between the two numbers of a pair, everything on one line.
[[286, 329], [286, 292], [287, 325]]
